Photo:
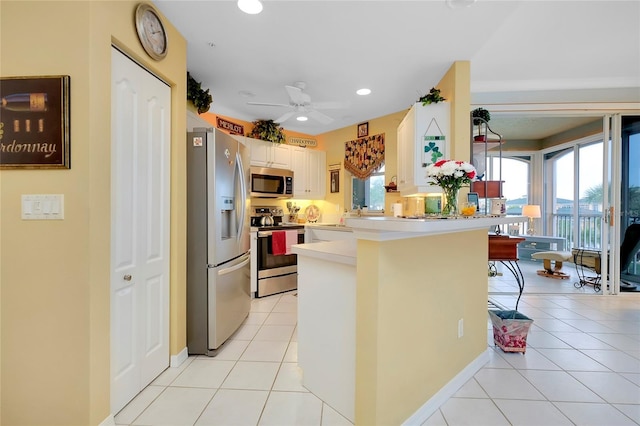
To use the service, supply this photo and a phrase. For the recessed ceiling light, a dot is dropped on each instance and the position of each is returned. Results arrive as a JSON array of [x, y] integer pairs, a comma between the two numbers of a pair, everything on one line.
[[302, 118], [363, 92], [251, 7]]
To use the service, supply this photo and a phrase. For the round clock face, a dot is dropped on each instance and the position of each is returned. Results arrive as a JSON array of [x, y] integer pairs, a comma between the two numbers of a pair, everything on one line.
[[151, 32]]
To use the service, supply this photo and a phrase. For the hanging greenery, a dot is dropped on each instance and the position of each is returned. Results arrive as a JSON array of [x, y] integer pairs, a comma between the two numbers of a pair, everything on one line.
[[433, 97], [267, 130], [200, 98]]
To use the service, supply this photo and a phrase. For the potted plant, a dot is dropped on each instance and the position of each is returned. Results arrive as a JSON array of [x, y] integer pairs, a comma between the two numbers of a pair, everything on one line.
[[200, 98], [267, 130], [480, 115], [433, 97]]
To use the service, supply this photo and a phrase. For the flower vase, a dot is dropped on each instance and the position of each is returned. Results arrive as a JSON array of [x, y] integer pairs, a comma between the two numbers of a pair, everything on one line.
[[450, 207]]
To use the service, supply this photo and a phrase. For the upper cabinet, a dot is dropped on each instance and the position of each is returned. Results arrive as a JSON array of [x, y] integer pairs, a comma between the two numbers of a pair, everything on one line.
[[269, 154], [423, 139], [309, 173]]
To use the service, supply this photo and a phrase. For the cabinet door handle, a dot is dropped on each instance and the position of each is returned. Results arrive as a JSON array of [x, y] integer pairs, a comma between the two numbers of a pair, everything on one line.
[[127, 277]]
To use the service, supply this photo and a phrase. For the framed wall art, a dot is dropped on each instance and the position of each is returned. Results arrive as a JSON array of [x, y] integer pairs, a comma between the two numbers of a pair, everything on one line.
[[335, 180], [363, 130], [35, 122]]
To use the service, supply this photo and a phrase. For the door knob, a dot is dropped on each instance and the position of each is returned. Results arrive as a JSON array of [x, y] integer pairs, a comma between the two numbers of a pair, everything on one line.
[[127, 277]]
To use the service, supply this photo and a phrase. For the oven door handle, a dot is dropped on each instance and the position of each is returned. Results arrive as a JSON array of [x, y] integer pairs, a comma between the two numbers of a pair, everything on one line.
[[225, 271]]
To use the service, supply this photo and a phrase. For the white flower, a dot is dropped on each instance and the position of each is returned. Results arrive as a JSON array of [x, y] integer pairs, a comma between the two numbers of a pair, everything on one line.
[[451, 173]]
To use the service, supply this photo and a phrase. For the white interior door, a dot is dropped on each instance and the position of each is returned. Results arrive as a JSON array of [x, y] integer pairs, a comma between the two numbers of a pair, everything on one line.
[[140, 171]]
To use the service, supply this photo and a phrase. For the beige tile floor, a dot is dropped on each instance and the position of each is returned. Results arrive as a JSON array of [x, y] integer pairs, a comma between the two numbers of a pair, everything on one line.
[[582, 367]]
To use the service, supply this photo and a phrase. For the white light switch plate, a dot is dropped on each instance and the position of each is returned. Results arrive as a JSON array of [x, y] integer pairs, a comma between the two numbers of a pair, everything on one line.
[[43, 206]]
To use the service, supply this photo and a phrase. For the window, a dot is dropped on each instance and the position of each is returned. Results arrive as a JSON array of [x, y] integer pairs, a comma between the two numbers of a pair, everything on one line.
[[515, 174], [576, 194], [369, 192]]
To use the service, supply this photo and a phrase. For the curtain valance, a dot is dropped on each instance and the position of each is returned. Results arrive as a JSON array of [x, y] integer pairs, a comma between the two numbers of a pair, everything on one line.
[[364, 156]]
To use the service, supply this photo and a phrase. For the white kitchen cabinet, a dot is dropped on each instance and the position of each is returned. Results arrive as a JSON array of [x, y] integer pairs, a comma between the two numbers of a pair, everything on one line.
[[269, 154], [423, 138], [309, 173]]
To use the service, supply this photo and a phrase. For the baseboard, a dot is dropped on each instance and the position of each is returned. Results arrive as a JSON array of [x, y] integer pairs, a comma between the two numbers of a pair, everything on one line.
[[177, 360], [431, 406]]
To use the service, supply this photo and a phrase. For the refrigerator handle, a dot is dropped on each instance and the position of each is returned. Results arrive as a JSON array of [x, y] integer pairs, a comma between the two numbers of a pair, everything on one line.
[[229, 270], [243, 197]]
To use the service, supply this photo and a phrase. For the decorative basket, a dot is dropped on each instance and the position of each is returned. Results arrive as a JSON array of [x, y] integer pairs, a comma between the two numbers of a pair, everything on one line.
[[510, 329]]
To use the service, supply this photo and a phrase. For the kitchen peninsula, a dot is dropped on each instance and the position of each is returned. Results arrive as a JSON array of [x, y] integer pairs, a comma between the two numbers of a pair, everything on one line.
[[392, 323]]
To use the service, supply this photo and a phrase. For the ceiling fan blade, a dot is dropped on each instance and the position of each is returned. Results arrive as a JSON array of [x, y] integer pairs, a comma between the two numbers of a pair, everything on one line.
[[284, 117], [295, 94], [330, 105], [318, 116], [268, 104]]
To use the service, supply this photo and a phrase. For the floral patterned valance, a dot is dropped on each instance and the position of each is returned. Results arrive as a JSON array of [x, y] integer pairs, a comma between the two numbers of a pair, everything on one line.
[[364, 156]]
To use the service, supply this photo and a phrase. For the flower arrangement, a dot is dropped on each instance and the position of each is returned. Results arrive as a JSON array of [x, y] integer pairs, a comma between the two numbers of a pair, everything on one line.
[[451, 175]]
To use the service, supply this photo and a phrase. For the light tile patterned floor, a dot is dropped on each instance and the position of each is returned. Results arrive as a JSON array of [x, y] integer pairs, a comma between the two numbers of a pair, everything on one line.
[[582, 367]]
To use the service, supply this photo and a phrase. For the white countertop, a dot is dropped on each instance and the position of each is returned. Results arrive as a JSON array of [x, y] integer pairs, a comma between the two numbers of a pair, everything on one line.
[[329, 227], [343, 251], [394, 228]]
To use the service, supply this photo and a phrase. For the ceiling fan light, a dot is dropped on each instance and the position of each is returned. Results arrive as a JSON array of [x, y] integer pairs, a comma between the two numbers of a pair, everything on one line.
[[302, 118], [252, 7], [363, 91]]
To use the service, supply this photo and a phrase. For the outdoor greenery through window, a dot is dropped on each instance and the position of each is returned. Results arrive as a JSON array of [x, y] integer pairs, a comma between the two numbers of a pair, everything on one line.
[[577, 206], [516, 176], [369, 192]]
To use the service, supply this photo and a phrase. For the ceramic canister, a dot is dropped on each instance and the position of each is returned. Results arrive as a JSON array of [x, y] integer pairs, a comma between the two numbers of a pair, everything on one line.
[[498, 206]]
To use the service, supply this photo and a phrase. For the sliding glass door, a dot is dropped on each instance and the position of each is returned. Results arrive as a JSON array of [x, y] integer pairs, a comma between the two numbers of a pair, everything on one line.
[[621, 233], [630, 201]]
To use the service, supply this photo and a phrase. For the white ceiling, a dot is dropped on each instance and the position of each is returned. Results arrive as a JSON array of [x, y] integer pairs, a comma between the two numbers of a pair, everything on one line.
[[520, 52]]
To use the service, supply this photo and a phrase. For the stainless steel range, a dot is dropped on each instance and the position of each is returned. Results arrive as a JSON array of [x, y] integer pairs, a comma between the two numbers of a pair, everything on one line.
[[275, 273]]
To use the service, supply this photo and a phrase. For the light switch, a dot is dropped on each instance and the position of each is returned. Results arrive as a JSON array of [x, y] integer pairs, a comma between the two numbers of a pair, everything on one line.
[[43, 206]]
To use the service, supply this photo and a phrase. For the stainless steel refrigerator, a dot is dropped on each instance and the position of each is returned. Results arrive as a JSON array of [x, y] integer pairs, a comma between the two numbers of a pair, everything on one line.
[[218, 269]]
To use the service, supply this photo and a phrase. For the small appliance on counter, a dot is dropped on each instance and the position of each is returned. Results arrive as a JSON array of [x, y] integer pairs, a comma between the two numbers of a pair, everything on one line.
[[499, 206], [276, 272]]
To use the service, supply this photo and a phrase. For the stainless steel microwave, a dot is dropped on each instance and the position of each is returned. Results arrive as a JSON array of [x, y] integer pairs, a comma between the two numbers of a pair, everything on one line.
[[268, 182]]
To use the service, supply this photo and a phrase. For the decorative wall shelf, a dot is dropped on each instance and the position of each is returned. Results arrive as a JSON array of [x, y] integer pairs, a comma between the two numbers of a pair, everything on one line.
[[487, 141]]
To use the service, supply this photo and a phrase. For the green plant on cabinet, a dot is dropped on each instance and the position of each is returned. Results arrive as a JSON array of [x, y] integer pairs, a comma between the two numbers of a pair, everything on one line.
[[202, 99], [267, 130]]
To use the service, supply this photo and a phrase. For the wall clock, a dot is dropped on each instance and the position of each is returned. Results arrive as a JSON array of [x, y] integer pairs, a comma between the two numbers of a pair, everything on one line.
[[151, 31]]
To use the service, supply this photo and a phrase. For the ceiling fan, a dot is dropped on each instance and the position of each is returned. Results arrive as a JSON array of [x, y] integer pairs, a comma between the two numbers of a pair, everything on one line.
[[301, 105]]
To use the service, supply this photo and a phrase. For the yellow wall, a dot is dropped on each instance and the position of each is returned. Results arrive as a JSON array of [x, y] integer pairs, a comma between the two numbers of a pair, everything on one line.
[[410, 295], [55, 319], [333, 143], [455, 86]]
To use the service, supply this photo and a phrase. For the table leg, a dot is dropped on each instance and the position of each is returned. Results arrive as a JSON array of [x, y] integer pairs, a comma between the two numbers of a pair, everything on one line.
[[517, 273]]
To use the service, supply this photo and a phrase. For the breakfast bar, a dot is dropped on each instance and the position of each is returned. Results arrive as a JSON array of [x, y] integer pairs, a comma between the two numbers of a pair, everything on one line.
[[391, 324]]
